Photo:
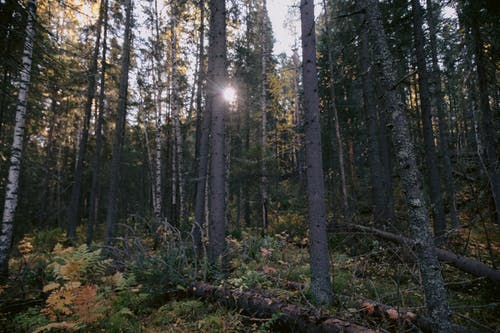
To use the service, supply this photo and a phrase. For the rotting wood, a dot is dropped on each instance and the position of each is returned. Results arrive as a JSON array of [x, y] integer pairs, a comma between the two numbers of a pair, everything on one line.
[[292, 318], [465, 264]]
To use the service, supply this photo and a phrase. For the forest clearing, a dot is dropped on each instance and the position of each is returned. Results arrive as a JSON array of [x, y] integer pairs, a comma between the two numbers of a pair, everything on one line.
[[213, 166]]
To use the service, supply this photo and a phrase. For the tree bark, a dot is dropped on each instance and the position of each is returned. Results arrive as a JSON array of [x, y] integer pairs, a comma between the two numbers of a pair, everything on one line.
[[292, 318], [263, 110], [96, 162], [378, 200], [430, 268], [177, 152], [12, 188], [440, 104], [82, 147], [428, 132], [298, 119], [157, 162], [202, 137], [217, 77], [333, 106], [121, 117], [488, 133], [321, 286]]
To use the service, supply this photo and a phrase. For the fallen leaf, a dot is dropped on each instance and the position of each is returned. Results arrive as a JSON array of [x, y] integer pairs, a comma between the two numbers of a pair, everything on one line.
[[410, 315], [369, 307], [393, 314], [269, 270]]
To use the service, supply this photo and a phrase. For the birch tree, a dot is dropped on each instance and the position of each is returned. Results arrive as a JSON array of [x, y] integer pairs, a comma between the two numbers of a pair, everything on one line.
[[12, 188]]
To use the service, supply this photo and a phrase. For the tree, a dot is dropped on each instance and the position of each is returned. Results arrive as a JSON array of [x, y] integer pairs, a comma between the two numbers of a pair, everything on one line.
[[263, 110], [430, 269], [202, 140], [489, 138], [428, 132], [121, 116], [77, 182], [444, 147], [12, 189], [378, 198], [96, 162], [217, 106], [333, 107], [321, 286]]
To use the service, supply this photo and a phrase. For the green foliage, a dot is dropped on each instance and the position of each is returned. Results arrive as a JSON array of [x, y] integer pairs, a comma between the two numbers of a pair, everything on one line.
[[122, 321], [45, 240], [268, 325], [27, 320], [191, 310], [78, 264], [250, 279], [161, 271]]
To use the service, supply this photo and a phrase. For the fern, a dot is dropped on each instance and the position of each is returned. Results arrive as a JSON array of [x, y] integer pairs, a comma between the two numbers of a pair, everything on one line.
[[86, 305], [78, 264], [60, 326]]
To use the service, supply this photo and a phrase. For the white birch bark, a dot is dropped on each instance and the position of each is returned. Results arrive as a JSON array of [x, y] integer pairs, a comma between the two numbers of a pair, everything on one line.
[[12, 189]]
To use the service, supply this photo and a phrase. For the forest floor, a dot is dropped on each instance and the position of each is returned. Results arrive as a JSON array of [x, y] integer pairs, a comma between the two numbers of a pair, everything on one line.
[[56, 288]]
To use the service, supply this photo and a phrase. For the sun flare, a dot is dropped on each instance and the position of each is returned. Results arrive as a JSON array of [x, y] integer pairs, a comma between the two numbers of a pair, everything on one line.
[[229, 94]]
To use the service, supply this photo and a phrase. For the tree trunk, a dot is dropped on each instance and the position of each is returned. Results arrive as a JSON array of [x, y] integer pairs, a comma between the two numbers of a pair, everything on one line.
[[177, 157], [121, 117], [428, 132], [217, 78], [263, 109], [292, 318], [82, 147], [157, 167], [202, 138], [430, 268], [298, 119], [12, 188], [321, 286], [443, 127], [488, 132], [96, 162], [379, 208]]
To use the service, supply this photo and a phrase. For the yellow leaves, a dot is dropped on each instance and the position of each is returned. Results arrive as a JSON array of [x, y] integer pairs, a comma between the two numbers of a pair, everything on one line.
[[58, 303], [51, 286], [71, 271], [73, 299], [25, 247]]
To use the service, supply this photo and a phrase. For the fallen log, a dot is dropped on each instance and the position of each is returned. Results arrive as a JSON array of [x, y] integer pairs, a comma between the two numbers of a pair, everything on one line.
[[465, 264], [289, 317]]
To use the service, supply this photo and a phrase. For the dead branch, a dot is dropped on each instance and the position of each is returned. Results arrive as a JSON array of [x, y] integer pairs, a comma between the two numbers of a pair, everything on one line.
[[465, 264]]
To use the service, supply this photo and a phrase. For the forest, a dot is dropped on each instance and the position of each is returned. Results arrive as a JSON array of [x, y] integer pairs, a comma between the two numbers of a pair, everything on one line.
[[166, 167]]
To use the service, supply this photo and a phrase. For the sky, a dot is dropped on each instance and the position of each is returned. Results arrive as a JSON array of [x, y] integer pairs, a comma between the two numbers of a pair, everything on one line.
[[278, 14]]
